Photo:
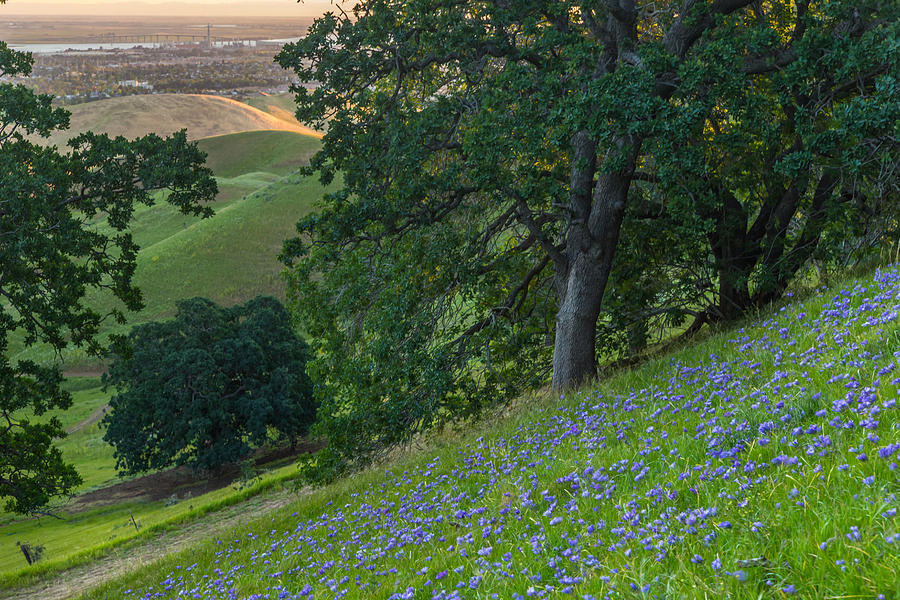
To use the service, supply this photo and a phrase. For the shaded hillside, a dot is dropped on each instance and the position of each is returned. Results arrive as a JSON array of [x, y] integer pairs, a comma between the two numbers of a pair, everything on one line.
[[229, 257], [278, 152]]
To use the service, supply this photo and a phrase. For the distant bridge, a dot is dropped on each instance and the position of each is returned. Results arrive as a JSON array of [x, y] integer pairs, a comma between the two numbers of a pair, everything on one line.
[[166, 38], [160, 38]]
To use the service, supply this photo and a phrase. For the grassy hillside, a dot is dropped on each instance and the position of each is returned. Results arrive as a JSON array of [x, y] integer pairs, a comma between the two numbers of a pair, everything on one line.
[[280, 105], [761, 463], [202, 116], [230, 257], [278, 152]]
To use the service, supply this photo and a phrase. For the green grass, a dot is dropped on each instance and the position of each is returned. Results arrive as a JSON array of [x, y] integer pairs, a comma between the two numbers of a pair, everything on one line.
[[75, 539], [85, 447], [71, 539], [279, 152], [798, 506], [87, 396]]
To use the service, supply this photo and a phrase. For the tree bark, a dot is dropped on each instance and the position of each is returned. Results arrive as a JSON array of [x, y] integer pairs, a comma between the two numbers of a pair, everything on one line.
[[805, 245], [590, 248], [24, 549], [734, 260], [574, 351]]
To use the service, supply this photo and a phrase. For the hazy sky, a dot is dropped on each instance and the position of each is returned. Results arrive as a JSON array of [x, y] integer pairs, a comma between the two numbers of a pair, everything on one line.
[[250, 8]]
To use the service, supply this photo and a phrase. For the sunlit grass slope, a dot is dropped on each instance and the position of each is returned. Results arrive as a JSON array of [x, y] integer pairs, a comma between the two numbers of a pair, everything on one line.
[[281, 106], [76, 536], [232, 256], [761, 463], [202, 116], [79, 537]]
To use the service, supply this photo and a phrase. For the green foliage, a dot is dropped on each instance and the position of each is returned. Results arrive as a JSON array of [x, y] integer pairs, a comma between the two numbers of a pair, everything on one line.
[[755, 181], [206, 387], [52, 253], [597, 172]]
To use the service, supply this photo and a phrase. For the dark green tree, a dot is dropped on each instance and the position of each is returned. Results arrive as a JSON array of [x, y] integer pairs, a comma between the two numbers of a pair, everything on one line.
[[489, 151], [207, 387], [801, 166], [64, 220]]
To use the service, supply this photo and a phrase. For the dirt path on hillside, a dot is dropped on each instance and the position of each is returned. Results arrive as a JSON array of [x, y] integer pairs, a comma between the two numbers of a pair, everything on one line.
[[77, 580], [88, 371], [90, 420]]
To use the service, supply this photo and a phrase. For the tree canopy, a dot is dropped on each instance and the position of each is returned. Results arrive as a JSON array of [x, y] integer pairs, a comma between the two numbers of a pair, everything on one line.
[[495, 153], [800, 166], [64, 219], [207, 387]]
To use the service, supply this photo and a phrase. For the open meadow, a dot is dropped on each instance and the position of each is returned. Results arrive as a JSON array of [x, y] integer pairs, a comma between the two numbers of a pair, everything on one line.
[[201, 115], [759, 463]]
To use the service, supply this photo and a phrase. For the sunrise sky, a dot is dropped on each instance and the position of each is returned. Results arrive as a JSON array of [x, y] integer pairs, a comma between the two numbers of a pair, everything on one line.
[[249, 8]]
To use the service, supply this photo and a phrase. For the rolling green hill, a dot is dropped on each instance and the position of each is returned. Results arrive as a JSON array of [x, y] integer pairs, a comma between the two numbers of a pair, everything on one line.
[[278, 105], [231, 256], [278, 152]]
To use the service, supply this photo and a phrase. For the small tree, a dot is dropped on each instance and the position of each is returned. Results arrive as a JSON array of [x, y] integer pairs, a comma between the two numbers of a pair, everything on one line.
[[207, 387]]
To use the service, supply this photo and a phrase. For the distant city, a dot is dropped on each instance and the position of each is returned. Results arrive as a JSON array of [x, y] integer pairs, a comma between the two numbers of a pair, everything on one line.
[[80, 61], [190, 68]]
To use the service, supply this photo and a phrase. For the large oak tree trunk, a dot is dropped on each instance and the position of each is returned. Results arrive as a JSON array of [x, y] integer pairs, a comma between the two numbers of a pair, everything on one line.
[[595, 220], [590, 247], [574, 353], [734, 260]]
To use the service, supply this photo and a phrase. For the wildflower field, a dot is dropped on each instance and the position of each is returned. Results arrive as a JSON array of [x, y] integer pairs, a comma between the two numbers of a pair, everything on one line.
[[761, 463]]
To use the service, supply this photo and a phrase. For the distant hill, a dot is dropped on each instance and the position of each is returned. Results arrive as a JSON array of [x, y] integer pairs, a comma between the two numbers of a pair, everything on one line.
[[278, 105], [203, 116]]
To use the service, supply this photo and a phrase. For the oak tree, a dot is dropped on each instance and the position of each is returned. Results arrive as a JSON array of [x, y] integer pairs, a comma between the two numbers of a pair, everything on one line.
[[800, 166], [490, 151], [207, 387]]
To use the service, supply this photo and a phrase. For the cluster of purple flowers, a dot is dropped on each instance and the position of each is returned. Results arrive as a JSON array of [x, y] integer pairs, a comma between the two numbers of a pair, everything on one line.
[[768, 464]]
